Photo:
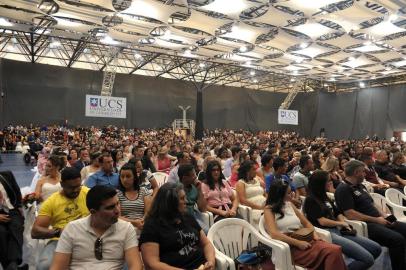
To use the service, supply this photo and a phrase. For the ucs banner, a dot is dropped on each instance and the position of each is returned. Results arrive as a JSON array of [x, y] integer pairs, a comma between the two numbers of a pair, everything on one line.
[[104, 106], [288, 117]]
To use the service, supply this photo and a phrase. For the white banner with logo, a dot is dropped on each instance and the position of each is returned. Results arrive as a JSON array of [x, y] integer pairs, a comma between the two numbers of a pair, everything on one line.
[[288, 117], [104, 106]]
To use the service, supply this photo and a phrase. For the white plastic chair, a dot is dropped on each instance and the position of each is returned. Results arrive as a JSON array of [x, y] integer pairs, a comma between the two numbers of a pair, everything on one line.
[[208, 218], [381, 203], [160, 178], [232, 235], [359, 226], [395, 200], [245, 211]]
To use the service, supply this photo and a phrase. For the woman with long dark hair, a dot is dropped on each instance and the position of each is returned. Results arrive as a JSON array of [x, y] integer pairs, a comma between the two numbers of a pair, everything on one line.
[[218, 193], [249, 189], [118, 159], [321, 212], [146, 178], [134, 200], [171, 238], [282, 219]]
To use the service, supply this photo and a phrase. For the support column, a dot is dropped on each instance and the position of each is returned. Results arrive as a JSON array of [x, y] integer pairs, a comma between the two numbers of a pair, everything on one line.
[[199, 114]]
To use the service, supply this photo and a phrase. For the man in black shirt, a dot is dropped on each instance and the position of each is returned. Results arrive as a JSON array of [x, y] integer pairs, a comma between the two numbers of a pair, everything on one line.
[[385, 172], [354, 201]]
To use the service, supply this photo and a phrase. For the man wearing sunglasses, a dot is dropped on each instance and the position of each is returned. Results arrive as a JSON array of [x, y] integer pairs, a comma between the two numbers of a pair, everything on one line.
[[101, 240]]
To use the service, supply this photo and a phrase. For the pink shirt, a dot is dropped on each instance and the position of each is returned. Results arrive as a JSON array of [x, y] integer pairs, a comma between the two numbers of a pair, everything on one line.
[[164, 165], [218, 197]]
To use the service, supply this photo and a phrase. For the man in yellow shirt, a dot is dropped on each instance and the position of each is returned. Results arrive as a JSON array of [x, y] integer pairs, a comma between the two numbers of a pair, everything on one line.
[[57, 211]]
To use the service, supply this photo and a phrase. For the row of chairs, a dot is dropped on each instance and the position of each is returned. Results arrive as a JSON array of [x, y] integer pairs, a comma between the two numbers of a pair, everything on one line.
[[231, 236], [392, 203]]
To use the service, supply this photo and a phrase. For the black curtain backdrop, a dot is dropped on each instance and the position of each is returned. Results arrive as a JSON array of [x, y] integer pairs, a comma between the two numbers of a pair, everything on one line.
[[366, 112], [44, 94]]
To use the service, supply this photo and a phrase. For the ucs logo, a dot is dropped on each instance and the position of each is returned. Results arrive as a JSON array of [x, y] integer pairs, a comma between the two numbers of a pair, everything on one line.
[[289, 115], [105, 102]]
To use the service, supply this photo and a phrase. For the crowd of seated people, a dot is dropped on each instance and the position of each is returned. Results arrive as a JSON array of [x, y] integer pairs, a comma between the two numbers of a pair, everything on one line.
[[275, 174]]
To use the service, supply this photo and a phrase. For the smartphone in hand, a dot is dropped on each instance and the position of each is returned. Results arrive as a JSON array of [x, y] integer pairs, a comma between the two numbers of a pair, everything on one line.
[[391, 218]]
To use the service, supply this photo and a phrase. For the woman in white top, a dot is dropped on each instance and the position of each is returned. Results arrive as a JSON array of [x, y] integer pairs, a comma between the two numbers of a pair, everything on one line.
[[249, 189], [282, 218], [94, 166], [119, 159], [50, 182]]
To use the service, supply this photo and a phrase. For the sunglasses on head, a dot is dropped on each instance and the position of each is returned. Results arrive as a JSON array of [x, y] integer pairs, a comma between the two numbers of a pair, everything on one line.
[[98, 249]]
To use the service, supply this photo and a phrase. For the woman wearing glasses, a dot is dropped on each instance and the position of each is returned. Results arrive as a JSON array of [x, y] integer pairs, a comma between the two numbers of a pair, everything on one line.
[[171, 238], [218, 193]]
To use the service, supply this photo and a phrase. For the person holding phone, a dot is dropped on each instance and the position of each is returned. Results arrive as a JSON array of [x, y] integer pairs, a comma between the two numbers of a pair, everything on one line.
[[354, 201], [322, 213]]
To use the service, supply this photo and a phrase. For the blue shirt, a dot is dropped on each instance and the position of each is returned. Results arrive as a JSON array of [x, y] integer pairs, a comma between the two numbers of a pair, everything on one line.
[[100, 178], [270, 178]]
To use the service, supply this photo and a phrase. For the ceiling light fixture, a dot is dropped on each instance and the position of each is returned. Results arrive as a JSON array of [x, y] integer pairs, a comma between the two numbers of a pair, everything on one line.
[[202, 65], [188, 53], [255, 80], [252, 72], [108, 40], [137, 56], [55, 44], [295, 72], [351, 58], [243, 48], [393, 17], [361, 84], [303, 45], [4, 22]]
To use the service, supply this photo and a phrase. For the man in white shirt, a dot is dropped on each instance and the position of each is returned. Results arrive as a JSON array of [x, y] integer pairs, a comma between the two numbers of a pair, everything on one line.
[[235, 152], [100, 240]]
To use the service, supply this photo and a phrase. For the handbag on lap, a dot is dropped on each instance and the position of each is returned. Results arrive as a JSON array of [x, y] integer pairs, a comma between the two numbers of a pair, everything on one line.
[[303, 234]]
